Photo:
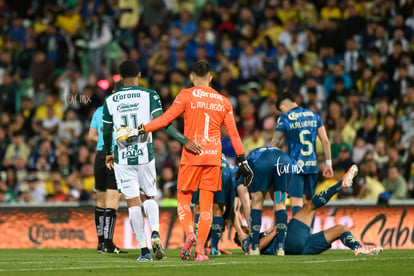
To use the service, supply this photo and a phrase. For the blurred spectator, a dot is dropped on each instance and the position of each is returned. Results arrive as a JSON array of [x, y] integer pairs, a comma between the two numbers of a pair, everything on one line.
[[339, 93], [70, 125], [98, 35], [42, 70], [391, 132], [329, 81], [307, 12], [351, 56], [44, 150], [394, 160], [289, 81], [59, 194], [343, 161], [360, 149], [8, 89], [283, 58], [370, 187], [34, 193], [53, 43], [250, 64], [155, 13], [338, 144], [331, 10], [365, 85], [70, 20], [51, 122], [381, 156], [4, 142], [17, 31], [395, 184], [312, 87], [368, 131], [17, 148], [186, 24], [169, 192]]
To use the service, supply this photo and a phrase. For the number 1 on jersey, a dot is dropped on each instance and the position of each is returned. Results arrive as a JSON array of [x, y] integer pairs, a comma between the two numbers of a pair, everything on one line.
[[206, 126]]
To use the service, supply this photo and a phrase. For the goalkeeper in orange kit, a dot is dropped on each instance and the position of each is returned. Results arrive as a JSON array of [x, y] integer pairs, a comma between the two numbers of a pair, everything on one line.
[[205, 111]]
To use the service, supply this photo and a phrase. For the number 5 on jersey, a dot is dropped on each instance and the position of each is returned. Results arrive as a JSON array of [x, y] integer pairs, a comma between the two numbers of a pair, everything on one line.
[[306, 143]]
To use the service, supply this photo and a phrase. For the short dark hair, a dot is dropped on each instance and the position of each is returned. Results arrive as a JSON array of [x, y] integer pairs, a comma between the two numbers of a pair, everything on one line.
[[285, 95], [200, 69], [128, 69]]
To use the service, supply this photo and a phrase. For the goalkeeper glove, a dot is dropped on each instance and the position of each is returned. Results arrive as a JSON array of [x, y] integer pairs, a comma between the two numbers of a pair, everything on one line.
[[141, 129], [244, 170]]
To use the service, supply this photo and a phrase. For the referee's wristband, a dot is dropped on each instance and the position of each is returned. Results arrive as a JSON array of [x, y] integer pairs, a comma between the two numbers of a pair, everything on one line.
[[328, 163]]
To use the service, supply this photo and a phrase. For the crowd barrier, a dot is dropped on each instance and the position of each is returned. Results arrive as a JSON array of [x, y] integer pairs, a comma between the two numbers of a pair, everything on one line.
[[73, 226]]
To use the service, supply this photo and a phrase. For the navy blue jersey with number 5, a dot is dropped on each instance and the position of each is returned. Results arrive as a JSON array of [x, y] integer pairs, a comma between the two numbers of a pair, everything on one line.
[[300, 126]]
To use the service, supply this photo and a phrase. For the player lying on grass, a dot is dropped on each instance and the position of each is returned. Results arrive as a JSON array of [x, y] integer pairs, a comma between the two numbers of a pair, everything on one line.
[[222, 207], [300, 241]]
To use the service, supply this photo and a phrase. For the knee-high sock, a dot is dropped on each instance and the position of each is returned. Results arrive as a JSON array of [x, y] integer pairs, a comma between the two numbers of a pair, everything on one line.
[[152, 212], [216, 231], [184, 212], [323, 197], [136, 219], [256, 224], [295, 209], [349, 240], [281, 228], [99, 223], [196, 218], [204, 222], [109, 226]]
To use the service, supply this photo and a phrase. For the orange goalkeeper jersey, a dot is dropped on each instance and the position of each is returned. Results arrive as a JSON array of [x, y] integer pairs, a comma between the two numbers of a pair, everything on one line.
[[205, 111]]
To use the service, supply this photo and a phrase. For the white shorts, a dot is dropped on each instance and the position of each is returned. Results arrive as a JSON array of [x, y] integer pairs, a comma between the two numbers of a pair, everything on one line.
[[133, 179]]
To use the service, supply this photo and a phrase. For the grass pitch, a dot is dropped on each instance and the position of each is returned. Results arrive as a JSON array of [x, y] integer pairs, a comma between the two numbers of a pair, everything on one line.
[[88, 262]]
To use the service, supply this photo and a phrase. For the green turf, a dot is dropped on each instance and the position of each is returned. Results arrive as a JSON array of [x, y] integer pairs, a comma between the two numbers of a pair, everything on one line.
[[88, 262]]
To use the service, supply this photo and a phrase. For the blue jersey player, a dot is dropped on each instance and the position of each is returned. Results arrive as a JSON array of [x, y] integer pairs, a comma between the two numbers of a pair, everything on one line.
[[272, 172], [300, 127], [300, 241]]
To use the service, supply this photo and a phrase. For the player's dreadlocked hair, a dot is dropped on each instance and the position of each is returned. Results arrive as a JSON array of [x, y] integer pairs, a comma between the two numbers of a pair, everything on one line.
[[128, 69], [200, 69]]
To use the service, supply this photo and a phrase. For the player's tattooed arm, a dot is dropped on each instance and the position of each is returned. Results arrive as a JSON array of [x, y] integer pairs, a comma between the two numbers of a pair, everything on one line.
[[278, 139]]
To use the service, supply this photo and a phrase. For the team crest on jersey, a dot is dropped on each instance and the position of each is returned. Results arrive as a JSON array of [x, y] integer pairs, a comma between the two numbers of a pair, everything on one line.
[[132, 151]]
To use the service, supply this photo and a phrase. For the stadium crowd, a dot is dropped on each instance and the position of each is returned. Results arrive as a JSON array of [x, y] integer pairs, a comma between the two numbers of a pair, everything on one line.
[[351, 61]]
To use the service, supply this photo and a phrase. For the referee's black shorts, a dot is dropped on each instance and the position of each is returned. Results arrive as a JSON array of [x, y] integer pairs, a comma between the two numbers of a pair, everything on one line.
[[104, 177]]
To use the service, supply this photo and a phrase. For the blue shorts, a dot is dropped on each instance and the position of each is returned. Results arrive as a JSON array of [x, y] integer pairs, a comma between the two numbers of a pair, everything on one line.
[[301, 184], [299, 240], [268, 174]]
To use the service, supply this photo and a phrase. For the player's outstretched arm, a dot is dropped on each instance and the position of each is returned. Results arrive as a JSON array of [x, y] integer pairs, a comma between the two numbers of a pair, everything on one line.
[[328, 171], [177, 135], [165, 119]]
